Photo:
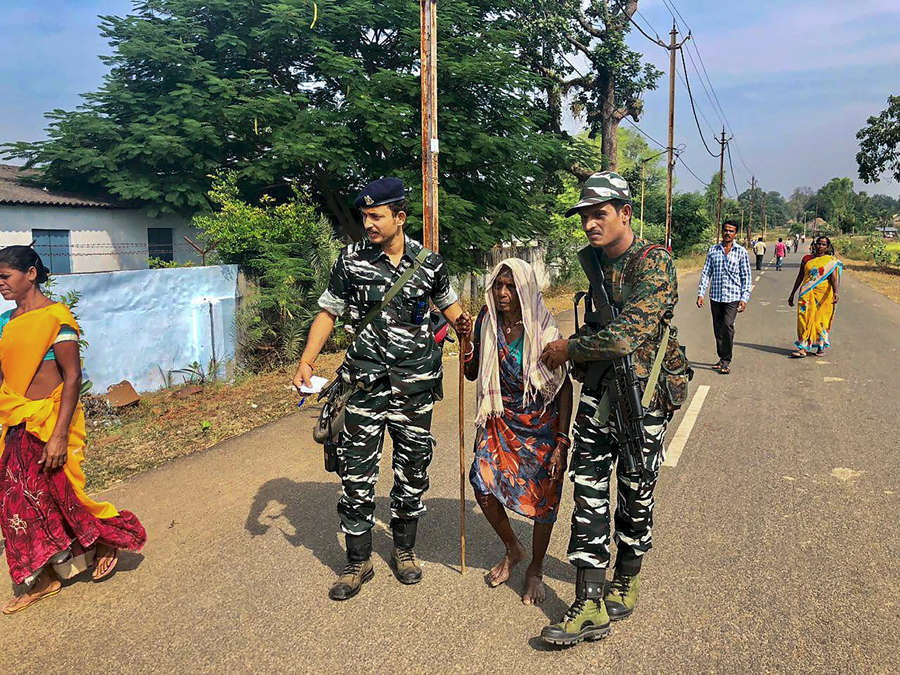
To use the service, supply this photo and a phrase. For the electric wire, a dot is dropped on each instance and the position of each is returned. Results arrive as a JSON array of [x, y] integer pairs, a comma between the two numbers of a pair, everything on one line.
[[691, 171], [687, 83], [662, 145], [634, 23], [733, 180]]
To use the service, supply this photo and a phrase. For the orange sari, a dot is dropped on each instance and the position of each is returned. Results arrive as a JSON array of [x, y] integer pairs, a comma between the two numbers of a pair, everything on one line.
[[23, 345]]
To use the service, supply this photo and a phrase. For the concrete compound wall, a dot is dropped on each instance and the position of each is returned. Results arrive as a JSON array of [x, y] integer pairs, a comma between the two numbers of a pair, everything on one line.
[[143, 324], [101, 240]]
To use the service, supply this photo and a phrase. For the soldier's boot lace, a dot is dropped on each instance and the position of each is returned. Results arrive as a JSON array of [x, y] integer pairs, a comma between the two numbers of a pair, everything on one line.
[[586, 618], [406, 567], [621, 596], [355, 574]]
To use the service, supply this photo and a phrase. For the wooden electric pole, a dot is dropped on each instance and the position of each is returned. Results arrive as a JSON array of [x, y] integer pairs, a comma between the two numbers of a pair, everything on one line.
[[672, 46], [750, 215], [430, 146], [722, 142]]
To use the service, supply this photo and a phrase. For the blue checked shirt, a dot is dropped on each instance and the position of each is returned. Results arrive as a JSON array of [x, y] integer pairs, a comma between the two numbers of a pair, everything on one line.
[[728, 277]]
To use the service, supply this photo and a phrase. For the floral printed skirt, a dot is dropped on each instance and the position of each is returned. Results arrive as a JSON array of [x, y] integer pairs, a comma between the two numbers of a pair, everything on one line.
[[41, 517]]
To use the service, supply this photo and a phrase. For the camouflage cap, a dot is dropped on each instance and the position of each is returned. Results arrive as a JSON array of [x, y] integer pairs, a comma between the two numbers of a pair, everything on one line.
[[601, 187]]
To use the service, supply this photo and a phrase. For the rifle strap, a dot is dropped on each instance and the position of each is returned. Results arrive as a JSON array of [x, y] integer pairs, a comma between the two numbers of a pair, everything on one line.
[[657, 367]]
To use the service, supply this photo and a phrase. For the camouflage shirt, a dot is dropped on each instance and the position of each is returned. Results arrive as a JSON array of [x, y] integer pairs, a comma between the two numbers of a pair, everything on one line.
[[398, 343], [642, 291]]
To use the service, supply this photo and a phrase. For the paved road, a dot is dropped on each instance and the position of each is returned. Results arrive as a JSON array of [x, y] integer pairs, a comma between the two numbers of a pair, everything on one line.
[[775, 544]]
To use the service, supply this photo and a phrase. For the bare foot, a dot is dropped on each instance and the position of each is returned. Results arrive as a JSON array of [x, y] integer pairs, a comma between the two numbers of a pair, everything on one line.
[[105, 562], [534, 586], [500, 572], [46, 585]]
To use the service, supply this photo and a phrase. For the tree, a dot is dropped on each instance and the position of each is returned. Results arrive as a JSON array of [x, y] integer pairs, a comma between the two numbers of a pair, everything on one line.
[[612, 87], [836, 201], [690, 222], [254, 87], [879, 144], [797, 204]]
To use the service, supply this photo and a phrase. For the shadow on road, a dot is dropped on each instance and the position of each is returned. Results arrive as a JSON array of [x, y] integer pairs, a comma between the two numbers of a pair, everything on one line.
[[783, 351], [702, 366], [298, 510]]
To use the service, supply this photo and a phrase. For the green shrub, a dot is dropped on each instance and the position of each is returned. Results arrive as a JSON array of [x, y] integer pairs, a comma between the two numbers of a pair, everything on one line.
[[287, 251]]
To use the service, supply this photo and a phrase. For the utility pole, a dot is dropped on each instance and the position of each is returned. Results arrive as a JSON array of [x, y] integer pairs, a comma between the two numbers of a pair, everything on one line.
[[764, 213], [722, 142], [430, 146], [750, 215], [672, 47]]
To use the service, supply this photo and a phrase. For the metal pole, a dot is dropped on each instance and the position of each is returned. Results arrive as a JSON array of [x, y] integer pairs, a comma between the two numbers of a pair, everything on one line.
[[750, 215], [673, 45]]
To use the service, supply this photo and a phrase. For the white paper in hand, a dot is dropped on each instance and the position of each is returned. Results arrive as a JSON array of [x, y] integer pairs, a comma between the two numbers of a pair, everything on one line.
[[317, 384]]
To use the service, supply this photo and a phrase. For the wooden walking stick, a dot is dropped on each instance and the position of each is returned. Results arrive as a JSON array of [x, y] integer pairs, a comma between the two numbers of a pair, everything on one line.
[[463, 348]]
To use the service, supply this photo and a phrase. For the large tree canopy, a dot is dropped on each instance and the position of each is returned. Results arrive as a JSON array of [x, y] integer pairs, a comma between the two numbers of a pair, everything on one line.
[[879, 144], [197, 86]]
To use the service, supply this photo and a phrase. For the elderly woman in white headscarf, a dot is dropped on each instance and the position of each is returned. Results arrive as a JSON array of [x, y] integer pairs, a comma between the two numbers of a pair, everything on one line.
[[524, 410]]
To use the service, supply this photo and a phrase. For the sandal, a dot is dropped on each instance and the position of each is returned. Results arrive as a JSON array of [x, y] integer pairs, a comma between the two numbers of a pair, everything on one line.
[[717, 366], [109, 570], [798, 355], [821, 352], [49, 593], [724, 370]]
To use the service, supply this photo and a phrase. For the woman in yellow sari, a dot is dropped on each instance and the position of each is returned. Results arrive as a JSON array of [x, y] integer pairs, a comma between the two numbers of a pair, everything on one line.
[[820, 274], [51, 527]]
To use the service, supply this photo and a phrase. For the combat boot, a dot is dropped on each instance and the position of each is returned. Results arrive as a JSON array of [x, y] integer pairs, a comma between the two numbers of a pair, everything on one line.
[[586, 619], [403, 558], [358, 569], [621, 596]]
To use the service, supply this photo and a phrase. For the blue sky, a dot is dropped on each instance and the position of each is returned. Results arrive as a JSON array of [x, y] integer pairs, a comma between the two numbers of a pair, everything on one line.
[[796, 80]]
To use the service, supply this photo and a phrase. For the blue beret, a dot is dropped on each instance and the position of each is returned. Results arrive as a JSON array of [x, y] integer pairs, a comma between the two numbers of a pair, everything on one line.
[[381, 191]]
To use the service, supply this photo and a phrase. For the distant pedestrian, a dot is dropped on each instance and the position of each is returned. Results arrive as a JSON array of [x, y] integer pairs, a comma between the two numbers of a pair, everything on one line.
[[780, 252], [759, 248], [820, 274], [796, 242], [727, 274]]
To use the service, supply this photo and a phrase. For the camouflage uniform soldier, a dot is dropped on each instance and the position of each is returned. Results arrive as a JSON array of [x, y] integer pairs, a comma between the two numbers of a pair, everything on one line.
[[641, 282], [396, 365]]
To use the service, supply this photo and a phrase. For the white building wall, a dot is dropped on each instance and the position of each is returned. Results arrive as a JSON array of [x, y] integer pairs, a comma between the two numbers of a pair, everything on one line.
[[101, 240]]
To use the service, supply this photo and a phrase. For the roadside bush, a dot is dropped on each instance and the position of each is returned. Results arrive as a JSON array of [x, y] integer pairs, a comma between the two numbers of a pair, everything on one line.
[[287, 251]]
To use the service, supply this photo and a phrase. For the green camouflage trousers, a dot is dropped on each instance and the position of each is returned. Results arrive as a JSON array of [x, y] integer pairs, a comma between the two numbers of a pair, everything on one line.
[[595, 449], [408, 421]]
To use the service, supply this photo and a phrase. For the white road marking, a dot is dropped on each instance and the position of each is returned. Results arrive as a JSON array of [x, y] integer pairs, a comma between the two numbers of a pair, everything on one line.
[[757, 277], [673, 454], [833, 379], [765, 304], [823, 363], [380, 524]]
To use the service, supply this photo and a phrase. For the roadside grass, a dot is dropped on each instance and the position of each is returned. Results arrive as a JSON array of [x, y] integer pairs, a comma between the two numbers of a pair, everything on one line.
[[885, 280]]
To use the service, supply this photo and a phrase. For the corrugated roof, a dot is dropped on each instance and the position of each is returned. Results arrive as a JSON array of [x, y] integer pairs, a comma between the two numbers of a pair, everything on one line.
[[13, 191]]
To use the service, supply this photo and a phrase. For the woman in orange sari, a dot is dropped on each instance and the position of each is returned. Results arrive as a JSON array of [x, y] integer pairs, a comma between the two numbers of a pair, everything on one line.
[[50, 525]]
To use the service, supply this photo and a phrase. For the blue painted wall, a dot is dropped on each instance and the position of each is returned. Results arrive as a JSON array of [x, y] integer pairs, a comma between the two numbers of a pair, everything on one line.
[[142, 324]]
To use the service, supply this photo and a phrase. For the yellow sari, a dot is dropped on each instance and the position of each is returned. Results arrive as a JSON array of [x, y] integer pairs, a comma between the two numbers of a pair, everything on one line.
[[815, 309], [23, 345]]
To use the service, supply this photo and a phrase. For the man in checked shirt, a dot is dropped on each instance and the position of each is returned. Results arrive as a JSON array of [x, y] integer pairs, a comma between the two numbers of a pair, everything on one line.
[[727, 274]]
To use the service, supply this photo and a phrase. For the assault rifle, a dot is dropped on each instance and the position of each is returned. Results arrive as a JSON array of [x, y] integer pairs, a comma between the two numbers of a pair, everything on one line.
[[624, 390]]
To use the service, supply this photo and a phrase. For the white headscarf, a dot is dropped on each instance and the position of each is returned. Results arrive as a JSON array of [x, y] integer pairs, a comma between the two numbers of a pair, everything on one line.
[[540, 328]]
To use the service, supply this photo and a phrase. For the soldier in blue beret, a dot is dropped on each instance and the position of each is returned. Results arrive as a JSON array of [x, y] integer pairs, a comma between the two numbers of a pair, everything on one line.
[[395, 365]]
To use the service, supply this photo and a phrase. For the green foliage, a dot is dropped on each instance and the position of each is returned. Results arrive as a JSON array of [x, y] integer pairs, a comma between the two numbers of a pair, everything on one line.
[[871, 247], [160, 264], [690, 222], [287, 250], [879, 144]]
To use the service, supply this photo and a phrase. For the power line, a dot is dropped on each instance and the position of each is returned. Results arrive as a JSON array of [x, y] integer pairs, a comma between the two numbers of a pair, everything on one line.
[[703, 84], [634, 23], [662, 145], [684, 164], [687, 82], [671, 5], [733, 180]]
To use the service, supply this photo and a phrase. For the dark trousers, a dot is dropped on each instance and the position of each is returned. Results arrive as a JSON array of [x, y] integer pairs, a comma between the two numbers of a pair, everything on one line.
[[759, 260], [723, 315]]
